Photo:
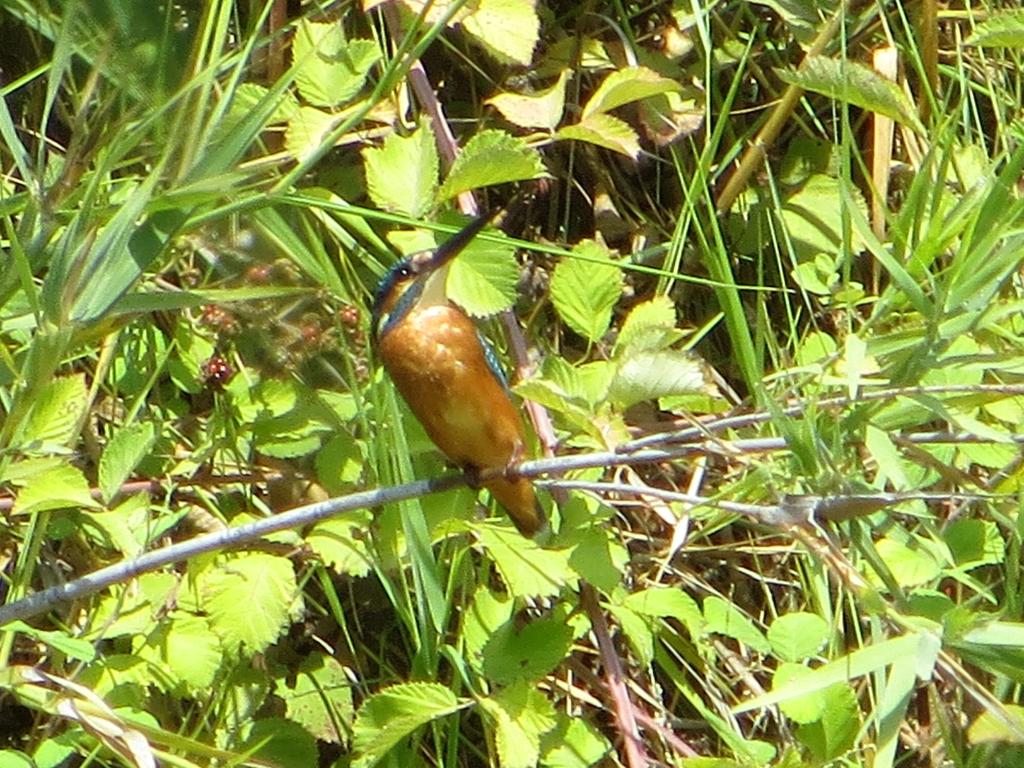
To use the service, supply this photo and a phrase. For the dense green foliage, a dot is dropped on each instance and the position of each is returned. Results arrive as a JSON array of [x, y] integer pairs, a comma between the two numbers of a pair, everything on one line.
[[758, 278]]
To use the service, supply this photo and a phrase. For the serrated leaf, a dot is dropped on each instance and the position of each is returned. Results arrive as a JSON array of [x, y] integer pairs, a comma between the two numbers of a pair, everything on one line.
[[606, 131], [61, 487], [1000, 30], [483, 280], [491, 157], [401, 175], [797, 636], [128, 446], [668, 603], [627, 85], [189, 653], [330, 70], [853, 83], [56, 413], [523, 715], [599, 558], [574, 744], [321, 698], [835, 732], [542, 109], [387, 717], [336, 543], [507, 29], [649, 325], [724, 618], [638, 632], [529, 653], [586, 290], [250, 599], [306, 131], [527, 569], [75, 647], [650, 375]]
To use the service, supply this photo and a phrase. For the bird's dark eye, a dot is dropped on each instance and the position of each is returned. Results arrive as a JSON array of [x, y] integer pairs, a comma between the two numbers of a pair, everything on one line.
[[404, 272]]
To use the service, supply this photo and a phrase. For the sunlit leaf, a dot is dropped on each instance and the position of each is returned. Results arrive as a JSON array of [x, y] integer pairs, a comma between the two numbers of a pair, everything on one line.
[[627, 85], [854, 83], [585, 290], [387, 717], [542, 109], [507, 29], [605, 131], [491, 157], [401, 175]]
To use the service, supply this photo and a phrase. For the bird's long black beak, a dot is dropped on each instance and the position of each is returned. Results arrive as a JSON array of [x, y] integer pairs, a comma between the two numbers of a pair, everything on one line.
[[431, 261]]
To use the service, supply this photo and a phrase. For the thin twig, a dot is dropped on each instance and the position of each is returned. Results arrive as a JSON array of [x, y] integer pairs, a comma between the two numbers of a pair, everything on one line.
[[625, 717]]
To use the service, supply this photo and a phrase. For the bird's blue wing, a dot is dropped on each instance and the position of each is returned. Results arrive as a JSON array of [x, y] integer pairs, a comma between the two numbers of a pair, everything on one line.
[[492, 360]]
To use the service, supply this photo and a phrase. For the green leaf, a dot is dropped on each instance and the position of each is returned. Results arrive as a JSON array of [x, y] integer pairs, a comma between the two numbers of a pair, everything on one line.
[[527, 654], [189, 653], [856, 84], [129, 445], [73, 647], [491, 157], [507, 29], [797, 636], [321, 698], [650, 325], [835, 732], [627, 85], [523, 715], [541, 109], [585, 290], [650, 375], [724, 618], [1000, 30], [484, 278], [813, 216], [599, 558], [805, 708], [574, 743], [668, 603], [638, 632], [487, 614], [975, 542], [340, 542], [605, 131], [281, 743], [401, 175], [56, 414], [910, 564], [46, 487], [250, 599], [330, 70], [527, 570], [306, 131], [921, 649], [387, 717], [1006, 726]]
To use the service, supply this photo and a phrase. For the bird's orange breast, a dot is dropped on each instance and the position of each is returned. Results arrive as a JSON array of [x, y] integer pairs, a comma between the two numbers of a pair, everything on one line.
[[435, 358], [437, 362]]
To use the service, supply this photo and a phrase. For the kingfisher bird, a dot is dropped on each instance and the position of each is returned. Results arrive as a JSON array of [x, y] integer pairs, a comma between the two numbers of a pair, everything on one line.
[[449, 375]]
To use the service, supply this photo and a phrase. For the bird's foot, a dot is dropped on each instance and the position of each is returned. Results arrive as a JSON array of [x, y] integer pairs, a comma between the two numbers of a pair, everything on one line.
[[472, 474]]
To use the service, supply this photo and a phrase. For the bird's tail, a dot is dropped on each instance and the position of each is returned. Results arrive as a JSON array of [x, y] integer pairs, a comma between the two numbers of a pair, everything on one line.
[[519, 500]]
